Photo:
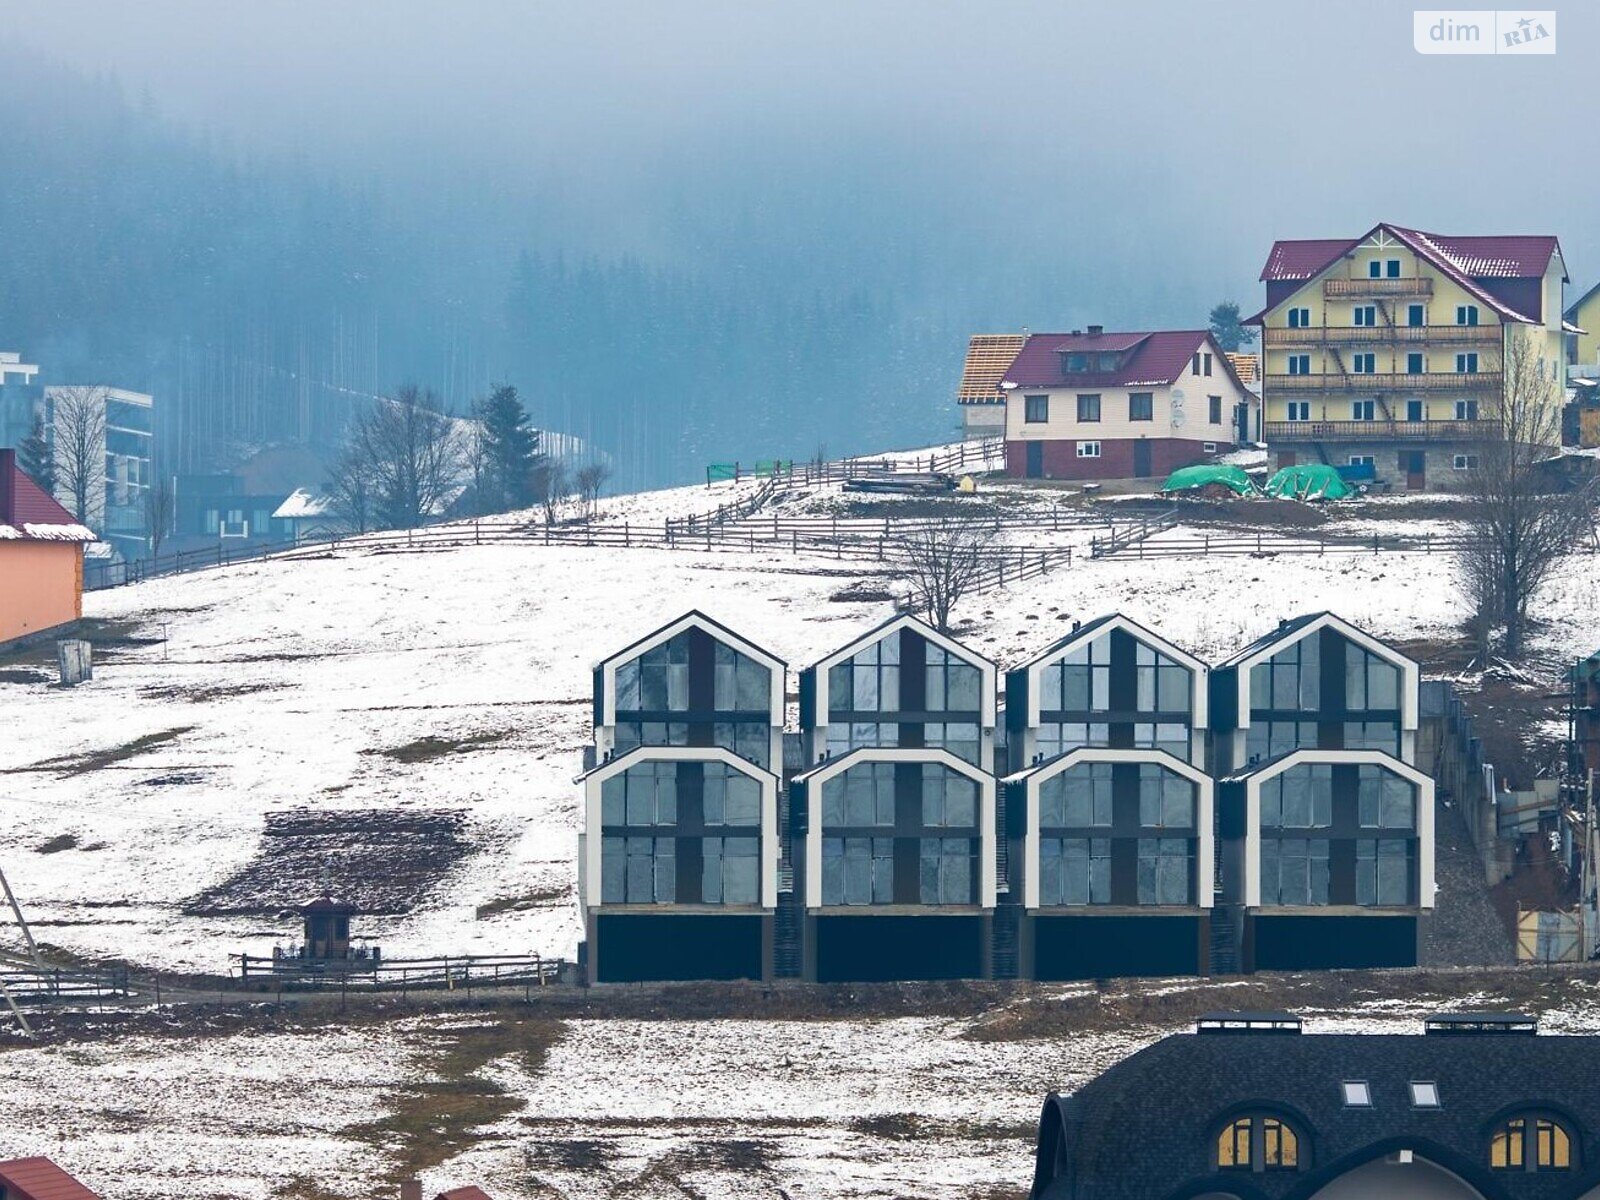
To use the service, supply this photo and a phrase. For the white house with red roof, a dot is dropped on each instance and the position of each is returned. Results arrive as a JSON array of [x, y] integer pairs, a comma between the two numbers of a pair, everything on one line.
[[1387, 353], [1097, 405]]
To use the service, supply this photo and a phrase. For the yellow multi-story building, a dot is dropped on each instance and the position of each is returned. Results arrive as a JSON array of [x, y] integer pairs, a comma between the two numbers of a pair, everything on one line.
[[1385, 354], [1583, 331]]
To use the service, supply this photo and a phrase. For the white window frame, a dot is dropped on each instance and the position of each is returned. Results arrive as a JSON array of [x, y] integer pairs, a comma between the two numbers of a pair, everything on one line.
[[1364, 316], [1299, 318], [1088, 449], [1361, 460], [1208, 447], [1466, 314], [1466, 410], [1467, 362], [1422, 362], [1364, 363], [1295, 360], [1363, 410], [1299, 410], [1417, 308], [1464, 462]]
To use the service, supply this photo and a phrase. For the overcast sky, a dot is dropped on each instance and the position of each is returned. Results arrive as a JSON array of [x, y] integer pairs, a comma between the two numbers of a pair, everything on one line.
[[1169, 140]]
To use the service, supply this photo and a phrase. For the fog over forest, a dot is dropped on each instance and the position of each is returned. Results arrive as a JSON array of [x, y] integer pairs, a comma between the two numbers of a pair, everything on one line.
[[707, 230]]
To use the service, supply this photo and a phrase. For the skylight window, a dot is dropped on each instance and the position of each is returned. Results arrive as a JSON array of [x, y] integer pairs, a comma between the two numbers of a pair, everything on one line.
[[1424, 1095], [1356, 1093]]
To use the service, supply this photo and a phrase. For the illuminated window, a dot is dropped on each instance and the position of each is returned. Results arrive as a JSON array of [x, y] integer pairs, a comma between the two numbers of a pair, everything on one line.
[[1258, 1143], [1531, 1143]]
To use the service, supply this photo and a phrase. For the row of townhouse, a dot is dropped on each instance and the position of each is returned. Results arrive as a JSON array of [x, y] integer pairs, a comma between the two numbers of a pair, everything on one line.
[[1389, 355], [1126, 810]]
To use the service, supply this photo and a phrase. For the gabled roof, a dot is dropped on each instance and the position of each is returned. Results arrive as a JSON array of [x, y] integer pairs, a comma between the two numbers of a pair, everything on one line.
[[1103, 624], [841, 762], [1468, 261], [1297, 627], [1142, 1129], [988, 356], [694, 616], [1572, 309], [40, 1179], [463, 1193], [1066, 758], [900, 621], [29, 513], [676, 754], [1278, 763], [1152, 359]]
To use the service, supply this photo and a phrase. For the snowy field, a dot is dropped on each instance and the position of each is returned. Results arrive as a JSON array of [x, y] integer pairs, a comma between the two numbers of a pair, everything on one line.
[[913, 1108], [293, 685]]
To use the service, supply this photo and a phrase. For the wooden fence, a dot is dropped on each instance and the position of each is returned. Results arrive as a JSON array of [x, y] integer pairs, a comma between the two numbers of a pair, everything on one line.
[[46, 985], [1137, 543], [449, 972]]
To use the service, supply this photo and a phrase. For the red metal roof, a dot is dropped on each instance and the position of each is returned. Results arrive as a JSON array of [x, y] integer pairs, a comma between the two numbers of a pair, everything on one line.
[[40, 1179], [1153, 358], [24, 501], [1477, 264], [463, 1193]]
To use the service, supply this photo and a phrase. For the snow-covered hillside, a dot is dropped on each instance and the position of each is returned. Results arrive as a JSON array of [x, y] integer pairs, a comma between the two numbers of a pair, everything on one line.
[[457, 681]]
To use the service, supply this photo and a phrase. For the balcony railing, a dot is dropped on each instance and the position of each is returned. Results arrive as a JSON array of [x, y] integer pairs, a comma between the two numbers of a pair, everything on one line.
[[1380, 335], [1473, 381], [1421, 286], [1409, 431]]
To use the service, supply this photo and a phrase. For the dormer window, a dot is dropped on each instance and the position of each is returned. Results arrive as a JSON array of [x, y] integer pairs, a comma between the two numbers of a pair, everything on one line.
[[1531, 1143], [1107, 361], [1075, 361], [1258, 1143]]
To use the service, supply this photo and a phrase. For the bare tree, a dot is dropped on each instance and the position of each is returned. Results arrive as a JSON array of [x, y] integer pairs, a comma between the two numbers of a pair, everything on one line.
[[589, 479], [410, 454], [78, 426], [160, 507], [942, 560], [1519, 521], [352, 487], [551, 485]]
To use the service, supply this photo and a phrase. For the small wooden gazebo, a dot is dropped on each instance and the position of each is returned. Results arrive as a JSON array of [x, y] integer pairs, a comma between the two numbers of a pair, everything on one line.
[[327, 927]]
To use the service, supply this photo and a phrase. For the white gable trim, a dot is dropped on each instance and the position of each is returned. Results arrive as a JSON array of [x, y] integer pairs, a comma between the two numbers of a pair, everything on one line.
[[1410, 672], [1425, 814], [1200, 692], [691, 620], [988, 671], [589, 788], [817, 776], [1205, 806]]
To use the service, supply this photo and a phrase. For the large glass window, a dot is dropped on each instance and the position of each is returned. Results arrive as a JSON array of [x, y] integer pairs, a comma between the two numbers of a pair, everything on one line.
[[844, 736], [1370, 683], [732, 870], [1290, 680], [1164, 871], [1372, 735], [731, 797], [1166, 799], [650, 733], [748, 739], [948, 799], [1077, 798], [947, 870], [857, 870], [741, 684], [1079, 681], [1383, 871], [1074, 871], [868, 681], [1294, 870], [646, 794], [1298, 798], [1268, 739], [953, 684], [959, 737], [1258, 1143], [859, 797], [1385, 800], [1057, 737], [656, 681], [638, 870], [1163, 683]]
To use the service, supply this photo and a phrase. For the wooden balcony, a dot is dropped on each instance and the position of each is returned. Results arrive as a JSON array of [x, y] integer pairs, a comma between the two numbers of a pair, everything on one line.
[[1405, 431], [1386, 335], [1346, 288], [1441, 381]]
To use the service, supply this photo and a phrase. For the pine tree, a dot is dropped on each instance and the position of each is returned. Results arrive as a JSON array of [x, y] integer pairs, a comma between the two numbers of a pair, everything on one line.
[[33, 456], [510, 451]]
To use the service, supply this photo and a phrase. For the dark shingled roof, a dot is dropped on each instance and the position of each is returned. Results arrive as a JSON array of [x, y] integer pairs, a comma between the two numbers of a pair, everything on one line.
[[1146, 1129]]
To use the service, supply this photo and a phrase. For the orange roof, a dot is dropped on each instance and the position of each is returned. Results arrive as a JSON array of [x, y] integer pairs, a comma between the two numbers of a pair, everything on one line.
[[40, 1179], [989, 355], [1246, 366]]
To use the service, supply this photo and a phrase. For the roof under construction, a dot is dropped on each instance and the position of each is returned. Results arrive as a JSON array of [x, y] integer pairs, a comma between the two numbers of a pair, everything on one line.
[[988, 357]]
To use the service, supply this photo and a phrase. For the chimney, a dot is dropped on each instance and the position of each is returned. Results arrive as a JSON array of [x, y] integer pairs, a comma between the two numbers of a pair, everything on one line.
[[1096, 330], [8, 486], [411, 1189], [1077, 333]]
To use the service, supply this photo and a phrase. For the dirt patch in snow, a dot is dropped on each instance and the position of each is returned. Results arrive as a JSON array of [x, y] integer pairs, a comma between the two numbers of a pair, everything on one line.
[[382, 862], [426, 749], [98, 760]]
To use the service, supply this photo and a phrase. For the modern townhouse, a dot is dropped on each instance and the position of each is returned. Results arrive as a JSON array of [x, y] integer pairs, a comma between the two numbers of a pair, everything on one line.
[[1388, 353]]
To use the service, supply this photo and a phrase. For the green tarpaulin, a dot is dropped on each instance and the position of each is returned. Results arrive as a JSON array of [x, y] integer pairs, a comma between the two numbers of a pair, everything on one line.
[[1194, 478], [1311, 481]]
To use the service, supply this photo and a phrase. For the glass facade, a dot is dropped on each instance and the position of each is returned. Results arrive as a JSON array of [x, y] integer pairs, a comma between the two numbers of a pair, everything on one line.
[[1340, 834], [693, 690], [1325, 692], [1115, 691], [904, 690]]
